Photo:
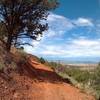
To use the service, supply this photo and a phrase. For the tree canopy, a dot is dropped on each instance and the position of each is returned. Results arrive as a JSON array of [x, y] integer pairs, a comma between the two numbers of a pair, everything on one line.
[[23, 19]]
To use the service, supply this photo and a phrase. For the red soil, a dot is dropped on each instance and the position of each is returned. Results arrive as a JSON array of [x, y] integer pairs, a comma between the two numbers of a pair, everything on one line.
[[38, 82], [52, 87]]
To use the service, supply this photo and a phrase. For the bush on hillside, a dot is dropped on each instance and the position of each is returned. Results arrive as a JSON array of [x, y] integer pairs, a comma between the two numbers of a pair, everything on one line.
[[42, 60], [96, 82], [89, 81]]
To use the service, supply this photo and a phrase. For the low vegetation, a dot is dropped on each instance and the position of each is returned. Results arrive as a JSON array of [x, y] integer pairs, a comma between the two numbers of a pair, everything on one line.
[[75, 76], [42, 60], [96, 81], [87, 80]]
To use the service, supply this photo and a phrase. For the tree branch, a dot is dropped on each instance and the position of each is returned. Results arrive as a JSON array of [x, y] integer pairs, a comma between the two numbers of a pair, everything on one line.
[[18, 44]]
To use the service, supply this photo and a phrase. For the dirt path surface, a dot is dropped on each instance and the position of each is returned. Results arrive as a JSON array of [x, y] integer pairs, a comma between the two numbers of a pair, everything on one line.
[[51, 87], [34, 81], [31, 80]]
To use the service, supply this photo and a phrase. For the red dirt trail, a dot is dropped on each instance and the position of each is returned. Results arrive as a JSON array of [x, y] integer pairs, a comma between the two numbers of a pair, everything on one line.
[[50, 86]]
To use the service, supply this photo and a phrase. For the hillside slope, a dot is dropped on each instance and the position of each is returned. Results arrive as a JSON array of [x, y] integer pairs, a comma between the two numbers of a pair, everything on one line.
[[30, 80], [52, 87]]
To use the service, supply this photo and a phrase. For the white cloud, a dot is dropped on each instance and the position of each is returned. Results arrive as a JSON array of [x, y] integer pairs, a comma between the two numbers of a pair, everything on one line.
[[86, 43], [83, 22], [58, 25], [74, 48], [52, 17]]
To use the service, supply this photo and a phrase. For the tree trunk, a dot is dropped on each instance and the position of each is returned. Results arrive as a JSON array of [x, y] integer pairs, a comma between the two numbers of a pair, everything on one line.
[[9, 42]]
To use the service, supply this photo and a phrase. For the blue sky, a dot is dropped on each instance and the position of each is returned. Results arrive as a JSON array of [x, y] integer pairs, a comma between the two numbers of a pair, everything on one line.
[[74, 32], [78, 8]]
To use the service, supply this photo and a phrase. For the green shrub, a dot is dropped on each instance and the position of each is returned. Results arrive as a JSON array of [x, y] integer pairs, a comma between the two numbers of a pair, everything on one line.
[[96, 81], [55, 66], [99, 64], [78, 75], [42, 60]]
